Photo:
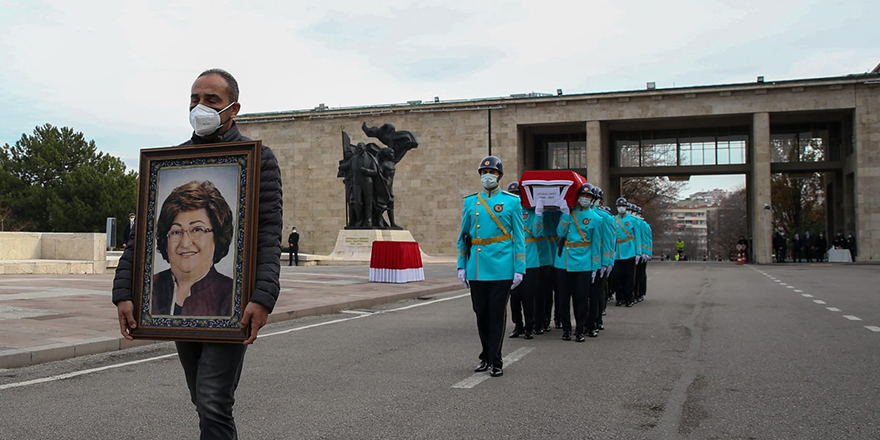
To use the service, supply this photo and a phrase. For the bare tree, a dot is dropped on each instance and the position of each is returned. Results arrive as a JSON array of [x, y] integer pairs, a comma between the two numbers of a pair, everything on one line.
[[798, 202], [727, 223], [656, 196]]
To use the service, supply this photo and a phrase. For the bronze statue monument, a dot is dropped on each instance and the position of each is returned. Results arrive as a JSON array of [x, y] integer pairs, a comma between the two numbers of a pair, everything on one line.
[[367, 170]]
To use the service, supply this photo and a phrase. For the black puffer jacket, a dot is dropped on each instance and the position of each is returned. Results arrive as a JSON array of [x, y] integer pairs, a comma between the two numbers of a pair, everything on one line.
[[268, 231]]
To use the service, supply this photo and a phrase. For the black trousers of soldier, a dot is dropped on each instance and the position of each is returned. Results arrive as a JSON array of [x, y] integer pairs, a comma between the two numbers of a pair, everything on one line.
[[641, 279], [609, 287], [596, 303], [624, 278], [489, 299], [543, 289], [522, 301], [573, 289], [550, 295]]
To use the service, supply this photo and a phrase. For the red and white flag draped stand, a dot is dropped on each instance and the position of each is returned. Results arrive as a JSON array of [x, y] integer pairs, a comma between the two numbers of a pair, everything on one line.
[[396, 262]]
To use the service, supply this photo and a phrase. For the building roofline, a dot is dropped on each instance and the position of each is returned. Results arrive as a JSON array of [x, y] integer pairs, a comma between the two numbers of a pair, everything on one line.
[[500, 102]]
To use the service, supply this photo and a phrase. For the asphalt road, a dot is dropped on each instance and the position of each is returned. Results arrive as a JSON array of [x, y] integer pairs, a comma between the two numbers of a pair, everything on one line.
[[715, 352]]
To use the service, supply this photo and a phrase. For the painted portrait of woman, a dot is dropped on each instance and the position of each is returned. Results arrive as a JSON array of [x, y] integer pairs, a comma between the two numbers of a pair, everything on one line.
[[193, 233]]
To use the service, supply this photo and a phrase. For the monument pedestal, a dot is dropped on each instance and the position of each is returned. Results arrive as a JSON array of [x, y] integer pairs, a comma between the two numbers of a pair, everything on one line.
[[357, 244]]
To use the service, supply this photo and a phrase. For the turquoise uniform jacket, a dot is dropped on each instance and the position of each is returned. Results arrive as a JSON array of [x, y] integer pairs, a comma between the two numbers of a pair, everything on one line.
[[547, 251], [534, 235], [609, 241], [647, 238], [628, 237], [640, 230], [498, 249], [583, 240]]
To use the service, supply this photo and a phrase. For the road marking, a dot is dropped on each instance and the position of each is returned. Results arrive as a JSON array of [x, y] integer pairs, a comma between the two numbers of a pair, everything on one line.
[[380, 312], [49, 292], [292, 276], [819, 301], [789, 287], [806, 295], [832, 309], [478, 378], [335, 282], [852, 318], [873, 328], [798, 290], [783, 284], [125, 364], [356, 312], [31, 280], [778, 281], [81, 372]]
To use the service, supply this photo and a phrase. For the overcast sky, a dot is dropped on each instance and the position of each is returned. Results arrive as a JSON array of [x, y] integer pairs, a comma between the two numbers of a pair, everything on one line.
[[120, 71]]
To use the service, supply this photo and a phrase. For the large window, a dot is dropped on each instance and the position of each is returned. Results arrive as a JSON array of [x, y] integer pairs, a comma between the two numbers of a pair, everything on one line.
[[805, 142], [561, 152], [659, 148]]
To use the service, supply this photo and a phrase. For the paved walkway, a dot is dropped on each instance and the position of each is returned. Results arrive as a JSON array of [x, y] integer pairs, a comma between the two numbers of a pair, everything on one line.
[[52, 317]]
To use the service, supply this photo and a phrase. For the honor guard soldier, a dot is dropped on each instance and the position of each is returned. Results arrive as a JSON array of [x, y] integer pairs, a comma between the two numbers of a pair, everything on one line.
[[609, 285], [544, 282], [581, 258], [492, 258], [640, 251], [608, 246], [628, 241], [647, 252], [547, 252], [522, 298]]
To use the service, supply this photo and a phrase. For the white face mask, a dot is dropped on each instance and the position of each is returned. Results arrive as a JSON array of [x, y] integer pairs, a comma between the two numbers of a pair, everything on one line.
[[621, 210], [489, 181], [585, 202], [205, 120]]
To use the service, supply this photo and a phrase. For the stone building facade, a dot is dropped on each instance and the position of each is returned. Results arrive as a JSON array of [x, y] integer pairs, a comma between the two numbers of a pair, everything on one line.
[[601, 132]]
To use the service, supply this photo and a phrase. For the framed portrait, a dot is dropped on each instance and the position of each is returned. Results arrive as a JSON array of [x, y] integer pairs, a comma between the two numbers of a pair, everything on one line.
[[195, 251]]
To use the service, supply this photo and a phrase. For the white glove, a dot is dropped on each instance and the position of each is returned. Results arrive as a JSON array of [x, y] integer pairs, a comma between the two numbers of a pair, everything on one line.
[[539, 207], [462, 276], [594, 276], [638, 258], [517, 279], [645, 257], [563, 206], [608, 272]]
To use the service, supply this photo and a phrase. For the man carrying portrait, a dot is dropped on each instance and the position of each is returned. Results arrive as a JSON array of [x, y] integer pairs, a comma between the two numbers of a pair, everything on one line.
[[213, 370]]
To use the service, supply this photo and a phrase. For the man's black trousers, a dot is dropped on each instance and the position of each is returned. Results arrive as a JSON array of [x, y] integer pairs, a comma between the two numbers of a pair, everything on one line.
[[212, 372], [573, 287], [624, 278], [522, 301], [596, 303], [641, 279], [543, 293], [549, 288], [293, 256], [489, 299]]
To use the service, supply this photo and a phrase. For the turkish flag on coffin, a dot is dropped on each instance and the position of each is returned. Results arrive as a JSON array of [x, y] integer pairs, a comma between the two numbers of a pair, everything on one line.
[[548, 185]]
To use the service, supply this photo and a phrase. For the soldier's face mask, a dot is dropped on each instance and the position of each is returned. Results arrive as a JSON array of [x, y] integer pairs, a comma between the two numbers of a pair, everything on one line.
[[584, 202], [621, 210], [489, 181]]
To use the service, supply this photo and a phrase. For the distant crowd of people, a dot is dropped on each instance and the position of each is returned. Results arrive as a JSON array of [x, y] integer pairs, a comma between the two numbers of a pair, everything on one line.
[[808, 247]]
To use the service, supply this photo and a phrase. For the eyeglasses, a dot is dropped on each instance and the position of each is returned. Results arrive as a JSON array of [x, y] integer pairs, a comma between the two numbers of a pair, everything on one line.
[[195, 233]]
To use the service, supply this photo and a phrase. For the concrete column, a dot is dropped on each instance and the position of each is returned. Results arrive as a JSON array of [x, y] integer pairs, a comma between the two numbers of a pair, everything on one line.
[[597, 156], [759, 189], [867, 173]]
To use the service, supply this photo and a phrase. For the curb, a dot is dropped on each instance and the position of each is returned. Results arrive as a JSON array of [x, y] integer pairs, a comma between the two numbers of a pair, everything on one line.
[[25, 357]]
